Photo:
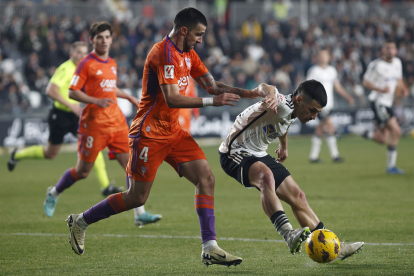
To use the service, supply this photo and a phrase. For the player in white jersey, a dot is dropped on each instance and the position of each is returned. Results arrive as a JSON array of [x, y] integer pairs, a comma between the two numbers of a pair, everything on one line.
[[328, 76], [383, 77], [243, 156]]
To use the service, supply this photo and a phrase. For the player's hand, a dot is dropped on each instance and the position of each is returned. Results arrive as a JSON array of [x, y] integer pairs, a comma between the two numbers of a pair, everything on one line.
[[104, 102], [134, 101], [76, 109], [271, 102], [282, 154], [225, 99], [351, 101]]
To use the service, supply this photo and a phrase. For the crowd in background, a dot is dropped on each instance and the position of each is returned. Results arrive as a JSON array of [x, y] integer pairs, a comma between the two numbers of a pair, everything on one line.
[[277, 52]]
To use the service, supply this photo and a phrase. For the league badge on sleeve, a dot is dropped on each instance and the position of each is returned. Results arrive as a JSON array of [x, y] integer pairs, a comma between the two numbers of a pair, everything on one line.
[[169, 71]]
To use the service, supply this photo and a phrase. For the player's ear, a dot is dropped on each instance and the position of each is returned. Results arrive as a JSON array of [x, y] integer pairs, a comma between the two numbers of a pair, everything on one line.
[[90, 40], [184, 31]]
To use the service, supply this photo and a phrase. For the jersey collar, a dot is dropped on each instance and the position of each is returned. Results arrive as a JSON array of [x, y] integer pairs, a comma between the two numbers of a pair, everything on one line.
[[175, 46], [98, 59]]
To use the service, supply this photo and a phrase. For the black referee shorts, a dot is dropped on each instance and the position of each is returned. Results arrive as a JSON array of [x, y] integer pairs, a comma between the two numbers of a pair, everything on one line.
[[237, 165], [61, 123]]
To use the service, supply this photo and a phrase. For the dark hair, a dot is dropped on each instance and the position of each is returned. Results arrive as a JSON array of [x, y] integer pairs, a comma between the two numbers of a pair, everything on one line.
[[99, 27], [314, 90], [189, 17]]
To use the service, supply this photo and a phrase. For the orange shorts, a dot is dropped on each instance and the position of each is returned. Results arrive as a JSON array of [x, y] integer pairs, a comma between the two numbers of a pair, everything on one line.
[[147, 154], [92, 142]]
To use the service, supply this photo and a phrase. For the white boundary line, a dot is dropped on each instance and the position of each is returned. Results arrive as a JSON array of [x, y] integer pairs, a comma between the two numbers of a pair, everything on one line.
[[180, 237]]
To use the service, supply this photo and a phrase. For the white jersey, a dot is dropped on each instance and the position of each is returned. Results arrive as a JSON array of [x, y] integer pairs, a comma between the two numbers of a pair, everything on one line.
[[327, 76], [257, 126], [383, 74]]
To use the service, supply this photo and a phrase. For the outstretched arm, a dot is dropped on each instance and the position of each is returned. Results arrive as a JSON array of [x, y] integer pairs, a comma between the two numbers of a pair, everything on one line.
[[175, 100], [217, 88]]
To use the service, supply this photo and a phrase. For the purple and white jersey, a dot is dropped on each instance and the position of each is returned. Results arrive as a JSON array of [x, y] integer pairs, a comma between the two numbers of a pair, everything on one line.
[[257, 126]]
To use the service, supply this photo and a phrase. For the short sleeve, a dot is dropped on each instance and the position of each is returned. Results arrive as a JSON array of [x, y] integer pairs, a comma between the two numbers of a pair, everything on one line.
[[163, 65], [370, 74], [80, 76], [197, 66], [60, 76], [400, 70]]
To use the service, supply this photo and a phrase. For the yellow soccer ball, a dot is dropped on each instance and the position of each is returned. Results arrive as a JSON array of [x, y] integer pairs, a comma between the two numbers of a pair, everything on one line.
[[322, 246]]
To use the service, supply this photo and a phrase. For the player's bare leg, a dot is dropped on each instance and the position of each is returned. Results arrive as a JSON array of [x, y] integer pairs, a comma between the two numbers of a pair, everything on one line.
[[289, 192], [141, 217], [316, 144], [51, 151], [199, 173], [261, 176], [393, 139]]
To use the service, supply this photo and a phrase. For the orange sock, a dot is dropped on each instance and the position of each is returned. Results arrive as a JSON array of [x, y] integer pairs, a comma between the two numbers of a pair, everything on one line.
[[117, 203]]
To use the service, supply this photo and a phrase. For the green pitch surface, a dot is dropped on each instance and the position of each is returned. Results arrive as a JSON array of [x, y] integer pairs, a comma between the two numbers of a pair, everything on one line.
[[357, 200]]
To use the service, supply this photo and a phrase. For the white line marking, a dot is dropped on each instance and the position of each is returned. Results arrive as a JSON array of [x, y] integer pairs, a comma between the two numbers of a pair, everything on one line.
[[180, 237]]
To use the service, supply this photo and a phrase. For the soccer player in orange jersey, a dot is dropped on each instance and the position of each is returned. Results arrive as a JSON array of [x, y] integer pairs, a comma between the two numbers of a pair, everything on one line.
[[101, 124], [156, 136]]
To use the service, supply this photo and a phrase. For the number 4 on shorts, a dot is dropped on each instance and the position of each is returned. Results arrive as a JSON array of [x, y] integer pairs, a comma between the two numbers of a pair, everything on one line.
[[144, 154]]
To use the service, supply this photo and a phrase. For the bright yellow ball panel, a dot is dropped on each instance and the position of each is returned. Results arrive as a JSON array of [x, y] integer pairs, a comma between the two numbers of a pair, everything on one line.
[[323, 246]]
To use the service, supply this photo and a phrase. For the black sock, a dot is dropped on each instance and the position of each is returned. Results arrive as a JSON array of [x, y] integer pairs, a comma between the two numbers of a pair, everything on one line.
[[319, 226]]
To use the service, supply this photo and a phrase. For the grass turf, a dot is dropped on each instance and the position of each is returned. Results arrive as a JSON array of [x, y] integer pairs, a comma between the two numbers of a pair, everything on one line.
[[357, 200]]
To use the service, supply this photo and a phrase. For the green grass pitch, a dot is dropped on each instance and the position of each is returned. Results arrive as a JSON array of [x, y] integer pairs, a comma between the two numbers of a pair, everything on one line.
[[357, 200]]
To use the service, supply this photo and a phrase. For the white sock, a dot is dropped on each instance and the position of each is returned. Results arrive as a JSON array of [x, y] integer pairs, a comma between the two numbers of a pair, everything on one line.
[[333, 148], [209, 244], [81, 222], [54, 193], [316, 147], [139, 211], [391, 157], [284, 229]]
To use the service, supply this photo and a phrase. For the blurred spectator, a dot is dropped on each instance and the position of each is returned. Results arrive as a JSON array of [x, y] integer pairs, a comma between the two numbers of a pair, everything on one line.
[[252, 30]]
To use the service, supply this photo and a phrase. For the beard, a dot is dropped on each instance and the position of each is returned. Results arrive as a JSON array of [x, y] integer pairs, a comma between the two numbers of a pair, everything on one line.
[[186, 46]]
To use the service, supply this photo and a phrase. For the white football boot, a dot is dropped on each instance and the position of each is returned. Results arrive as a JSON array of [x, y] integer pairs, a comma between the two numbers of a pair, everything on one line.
[[77, 235], [218, 256], [347, 250], [295, 238]]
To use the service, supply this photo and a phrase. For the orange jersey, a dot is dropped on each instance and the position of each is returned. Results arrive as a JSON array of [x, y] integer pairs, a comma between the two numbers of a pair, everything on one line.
[[165, 64], [97, 78]]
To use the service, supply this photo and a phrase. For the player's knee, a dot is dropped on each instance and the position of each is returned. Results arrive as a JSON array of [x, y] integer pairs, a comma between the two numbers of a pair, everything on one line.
[[266, 180], [302, 197]]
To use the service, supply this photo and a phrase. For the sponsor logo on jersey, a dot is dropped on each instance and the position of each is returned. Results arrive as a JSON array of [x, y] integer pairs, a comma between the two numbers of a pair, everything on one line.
[[269, 129], [99, 72], [169, 71], [108, 85], [188, 62], [246, 154], [74, 80], [183, 82], [113, 70]]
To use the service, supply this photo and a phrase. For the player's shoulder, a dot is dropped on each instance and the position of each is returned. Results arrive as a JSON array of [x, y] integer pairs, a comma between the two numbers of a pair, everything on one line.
[[286, 101], [84, 63], [396, 60], [162, 52]]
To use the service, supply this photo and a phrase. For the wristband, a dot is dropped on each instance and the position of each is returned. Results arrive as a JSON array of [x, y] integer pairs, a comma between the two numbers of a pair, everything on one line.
[[207, 101]]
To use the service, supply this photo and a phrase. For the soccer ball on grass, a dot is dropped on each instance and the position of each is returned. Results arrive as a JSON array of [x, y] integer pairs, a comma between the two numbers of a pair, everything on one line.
[[322, 246]]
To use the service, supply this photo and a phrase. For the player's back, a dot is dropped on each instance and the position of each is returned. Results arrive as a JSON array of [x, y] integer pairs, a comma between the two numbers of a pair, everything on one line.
[[165, 64], [97, 78]]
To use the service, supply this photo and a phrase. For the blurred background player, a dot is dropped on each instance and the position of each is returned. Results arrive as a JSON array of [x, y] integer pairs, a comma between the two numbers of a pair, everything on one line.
[[383, 77], [243, 156], [328, 76], [186, 114], [64, 118], [156, 135], [102, 124]]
